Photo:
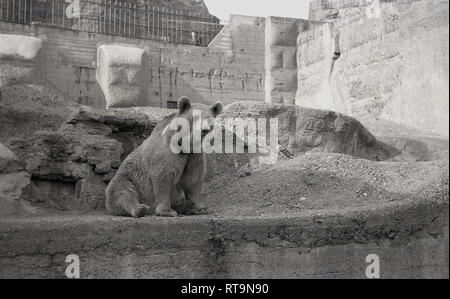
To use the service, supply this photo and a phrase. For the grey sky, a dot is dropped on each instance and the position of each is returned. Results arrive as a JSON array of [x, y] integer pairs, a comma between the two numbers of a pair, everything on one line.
[[281, 8]]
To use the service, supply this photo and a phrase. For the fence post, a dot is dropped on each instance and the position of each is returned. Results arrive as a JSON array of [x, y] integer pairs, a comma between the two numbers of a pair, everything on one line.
[[174, 26], [153, 22], [128, 23], [64, 16], [31, 11], [177, 26], [158, 20], [134, 17], [119, 9], [129, 19], [13, 10]]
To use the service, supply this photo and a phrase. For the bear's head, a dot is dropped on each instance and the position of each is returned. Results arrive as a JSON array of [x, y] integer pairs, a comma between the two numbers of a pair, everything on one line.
[[192, 124]]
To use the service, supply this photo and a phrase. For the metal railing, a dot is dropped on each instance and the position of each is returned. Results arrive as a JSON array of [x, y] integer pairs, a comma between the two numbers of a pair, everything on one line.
[[115, 18], [337, 4]]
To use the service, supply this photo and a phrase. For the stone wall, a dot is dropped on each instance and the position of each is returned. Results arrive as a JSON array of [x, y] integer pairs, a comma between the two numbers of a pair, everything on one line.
[[411, 241], [392, 61], [281, 57], [68, 65]]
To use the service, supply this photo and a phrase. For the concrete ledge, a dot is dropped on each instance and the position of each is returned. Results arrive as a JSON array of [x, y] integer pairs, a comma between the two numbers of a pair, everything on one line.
[[411, 239]]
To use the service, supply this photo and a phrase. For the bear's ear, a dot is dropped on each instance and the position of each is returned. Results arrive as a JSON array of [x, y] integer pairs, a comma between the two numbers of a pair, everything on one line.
[[183, 104], [217, 108]]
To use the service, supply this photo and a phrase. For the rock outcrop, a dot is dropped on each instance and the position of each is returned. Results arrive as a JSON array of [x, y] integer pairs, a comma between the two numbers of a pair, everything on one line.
[[28, 108], [301, 130], [71, 167], [14, 184], [79, 160]]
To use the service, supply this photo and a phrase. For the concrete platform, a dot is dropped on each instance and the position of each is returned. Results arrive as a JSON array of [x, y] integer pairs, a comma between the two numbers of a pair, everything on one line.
[[410, 237]]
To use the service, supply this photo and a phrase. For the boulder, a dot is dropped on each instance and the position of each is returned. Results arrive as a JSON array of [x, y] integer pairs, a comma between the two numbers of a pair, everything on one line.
[[78, 161], [13, 194], [122, 75], [8, 161], [14, 182], [302, 129], [82, 164]]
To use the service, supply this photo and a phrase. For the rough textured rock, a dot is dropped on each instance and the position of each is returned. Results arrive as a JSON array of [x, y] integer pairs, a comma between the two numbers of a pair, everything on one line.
[[78, 161], [122, 75], [82, 156], [14, 182], [27, 108], [17, 58], [8, 161], [303, 129], [13, 194]]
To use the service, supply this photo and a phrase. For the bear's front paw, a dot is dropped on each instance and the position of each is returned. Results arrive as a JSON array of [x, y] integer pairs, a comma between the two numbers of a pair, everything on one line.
[[166, 213], [140, 211]]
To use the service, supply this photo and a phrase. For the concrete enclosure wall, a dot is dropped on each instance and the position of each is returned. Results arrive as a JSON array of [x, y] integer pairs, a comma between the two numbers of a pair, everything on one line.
[[68, 61], [389, 60]]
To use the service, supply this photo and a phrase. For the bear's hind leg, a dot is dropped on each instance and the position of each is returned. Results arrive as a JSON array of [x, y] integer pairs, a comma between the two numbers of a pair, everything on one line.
[[126, 203], [193, 194], [133, 207], [163, 194]]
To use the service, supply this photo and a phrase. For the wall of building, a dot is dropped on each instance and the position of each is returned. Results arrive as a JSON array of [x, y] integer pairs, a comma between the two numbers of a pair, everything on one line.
[[67, 63], [388, 60], [281, 61]]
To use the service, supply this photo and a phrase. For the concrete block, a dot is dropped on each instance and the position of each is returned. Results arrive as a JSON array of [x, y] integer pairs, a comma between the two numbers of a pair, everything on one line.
[[18, 58], [122, 75], [19, 47]]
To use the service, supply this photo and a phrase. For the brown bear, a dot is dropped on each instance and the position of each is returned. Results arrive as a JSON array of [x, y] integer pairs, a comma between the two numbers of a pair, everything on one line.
[[154, 177]]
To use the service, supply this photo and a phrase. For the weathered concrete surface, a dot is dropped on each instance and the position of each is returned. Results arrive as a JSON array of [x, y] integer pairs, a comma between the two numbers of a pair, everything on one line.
[[281, 62], [206, 75], [18, 55], [393, 63], [122, 75], [411, 239]]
